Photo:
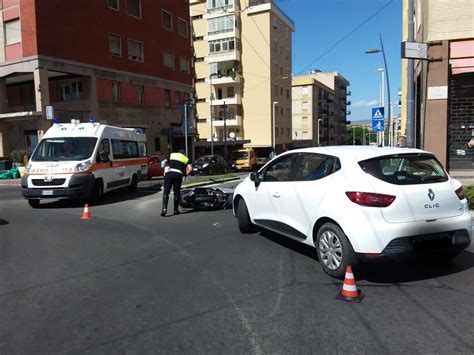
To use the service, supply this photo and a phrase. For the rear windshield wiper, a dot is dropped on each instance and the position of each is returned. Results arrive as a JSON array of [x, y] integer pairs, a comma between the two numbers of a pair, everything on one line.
[[433, 178]]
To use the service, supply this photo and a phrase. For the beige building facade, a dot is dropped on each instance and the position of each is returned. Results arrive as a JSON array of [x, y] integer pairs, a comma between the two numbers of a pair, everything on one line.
[[242, 52], [319, 109], [443, 84]]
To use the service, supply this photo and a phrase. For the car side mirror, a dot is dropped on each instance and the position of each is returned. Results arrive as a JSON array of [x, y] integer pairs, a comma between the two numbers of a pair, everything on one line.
[[255, 178]]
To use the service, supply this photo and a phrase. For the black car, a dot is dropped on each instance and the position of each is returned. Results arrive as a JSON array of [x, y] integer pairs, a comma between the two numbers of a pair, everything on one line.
[[210, 165]]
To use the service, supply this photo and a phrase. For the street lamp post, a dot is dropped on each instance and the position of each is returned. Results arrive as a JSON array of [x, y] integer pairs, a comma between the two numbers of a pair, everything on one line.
[[211, 110], [380, 135], [224, 106], [381, 50], [273, 126], [319, 120]]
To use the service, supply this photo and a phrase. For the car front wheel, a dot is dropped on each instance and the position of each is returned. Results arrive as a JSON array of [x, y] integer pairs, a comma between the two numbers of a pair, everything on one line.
[[335, 251], [245, 224]]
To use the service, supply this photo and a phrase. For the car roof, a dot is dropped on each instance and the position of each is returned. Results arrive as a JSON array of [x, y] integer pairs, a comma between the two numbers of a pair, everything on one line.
[[358, 152]]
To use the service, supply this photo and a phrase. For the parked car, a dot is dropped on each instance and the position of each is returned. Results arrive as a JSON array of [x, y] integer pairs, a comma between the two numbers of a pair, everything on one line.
[[357, 204], [154, 167], [210, 165]]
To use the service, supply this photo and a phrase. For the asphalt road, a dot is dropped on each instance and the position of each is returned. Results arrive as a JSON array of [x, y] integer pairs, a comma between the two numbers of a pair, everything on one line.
[[128, 280]]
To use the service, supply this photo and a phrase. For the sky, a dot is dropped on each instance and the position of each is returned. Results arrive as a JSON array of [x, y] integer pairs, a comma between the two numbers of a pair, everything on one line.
[[333, 35]]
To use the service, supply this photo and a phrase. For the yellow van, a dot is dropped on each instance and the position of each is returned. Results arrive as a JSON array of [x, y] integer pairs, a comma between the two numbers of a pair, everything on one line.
[[244, 159]]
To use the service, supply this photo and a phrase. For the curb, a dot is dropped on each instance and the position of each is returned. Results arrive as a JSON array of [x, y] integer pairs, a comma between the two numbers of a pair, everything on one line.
[[10, 182]]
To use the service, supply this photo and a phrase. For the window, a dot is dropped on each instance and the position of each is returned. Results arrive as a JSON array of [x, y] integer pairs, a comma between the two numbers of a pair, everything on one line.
[[167, 98], [315, 167], [221, 24], [115, 47], [304, 105], [223, 45], [69, 91], [287, 93], [304, 120], [304, 90], [178, 97], [276, 89], [184, 65], [134, 8], [405, 169], [135, 50], [113, 4], [274, 21], [183, 28], [12, 32], [141, 94], [168, 60], [122, 149], [280, 169], [167, 20], [116, 91]]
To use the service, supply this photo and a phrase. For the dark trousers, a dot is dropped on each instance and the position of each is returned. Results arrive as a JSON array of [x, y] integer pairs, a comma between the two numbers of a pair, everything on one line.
[[172, 179]]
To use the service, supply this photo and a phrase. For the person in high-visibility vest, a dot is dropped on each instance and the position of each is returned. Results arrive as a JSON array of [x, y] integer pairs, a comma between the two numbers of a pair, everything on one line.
[[177, 166]]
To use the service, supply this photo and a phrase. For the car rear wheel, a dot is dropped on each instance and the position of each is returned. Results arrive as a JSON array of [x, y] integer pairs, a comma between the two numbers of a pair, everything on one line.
[[335, 251], [245, 224]]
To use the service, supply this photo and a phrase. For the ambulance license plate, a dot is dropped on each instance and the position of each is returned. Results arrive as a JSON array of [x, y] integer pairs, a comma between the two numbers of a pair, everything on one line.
[[47, 193]]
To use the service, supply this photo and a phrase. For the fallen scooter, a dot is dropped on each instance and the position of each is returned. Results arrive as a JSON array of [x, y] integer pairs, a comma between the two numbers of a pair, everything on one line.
[[206, 198]]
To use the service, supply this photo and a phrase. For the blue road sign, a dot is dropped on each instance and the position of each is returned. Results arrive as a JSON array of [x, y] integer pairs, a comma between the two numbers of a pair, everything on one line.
[[377, 113], [377, 125]]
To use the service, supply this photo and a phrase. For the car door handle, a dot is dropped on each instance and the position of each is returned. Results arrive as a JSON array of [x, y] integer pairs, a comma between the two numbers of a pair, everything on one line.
[[276, 194]]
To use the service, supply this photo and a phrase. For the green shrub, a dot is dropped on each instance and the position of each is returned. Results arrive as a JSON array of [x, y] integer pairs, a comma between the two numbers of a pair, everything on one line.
[[469, 191], [17, 156]]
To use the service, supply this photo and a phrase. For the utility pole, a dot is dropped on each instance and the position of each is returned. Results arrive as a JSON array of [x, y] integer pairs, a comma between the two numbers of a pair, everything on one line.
[[186, 127]]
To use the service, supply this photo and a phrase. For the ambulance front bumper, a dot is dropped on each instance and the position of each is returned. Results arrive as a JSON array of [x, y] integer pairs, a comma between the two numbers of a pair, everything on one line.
[[79, 186]]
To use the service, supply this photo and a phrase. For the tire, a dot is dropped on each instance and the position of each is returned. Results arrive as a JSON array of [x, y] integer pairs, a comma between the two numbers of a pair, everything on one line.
[[134, 184], [245, 224], [335, 251], [97, 192], [34, 203]]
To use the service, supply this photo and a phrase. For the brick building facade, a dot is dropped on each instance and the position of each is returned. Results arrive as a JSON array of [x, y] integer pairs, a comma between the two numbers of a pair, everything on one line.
[[123, 62]]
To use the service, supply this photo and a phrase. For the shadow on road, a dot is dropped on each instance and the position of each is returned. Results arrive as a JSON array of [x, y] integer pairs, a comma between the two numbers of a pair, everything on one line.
[[108, 199], [416, 270], [3, 222], [399, 271]]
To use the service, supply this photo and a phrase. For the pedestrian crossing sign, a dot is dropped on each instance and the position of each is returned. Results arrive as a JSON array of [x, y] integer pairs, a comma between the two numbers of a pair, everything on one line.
[[377, 113]]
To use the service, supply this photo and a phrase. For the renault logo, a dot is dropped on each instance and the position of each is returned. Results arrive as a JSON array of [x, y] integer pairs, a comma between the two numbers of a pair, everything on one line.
[[431, 194], [48, 178]]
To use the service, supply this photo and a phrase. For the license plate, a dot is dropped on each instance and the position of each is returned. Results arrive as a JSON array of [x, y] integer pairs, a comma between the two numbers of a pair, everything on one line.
[[47, 192]]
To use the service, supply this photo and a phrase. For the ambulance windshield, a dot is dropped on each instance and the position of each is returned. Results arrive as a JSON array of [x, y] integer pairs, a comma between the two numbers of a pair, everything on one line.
[[64, 149]]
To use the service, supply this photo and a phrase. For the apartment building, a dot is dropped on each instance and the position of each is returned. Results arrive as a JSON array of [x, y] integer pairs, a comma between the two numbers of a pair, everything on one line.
[[242, 53], [121, 62], [319, 109], [443, 85]]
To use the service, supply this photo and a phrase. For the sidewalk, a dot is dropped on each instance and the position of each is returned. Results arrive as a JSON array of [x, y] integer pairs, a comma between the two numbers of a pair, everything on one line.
[[466, 177]]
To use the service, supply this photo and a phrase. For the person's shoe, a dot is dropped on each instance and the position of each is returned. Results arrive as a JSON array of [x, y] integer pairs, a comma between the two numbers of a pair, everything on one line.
[[163, 213], [177, 212]]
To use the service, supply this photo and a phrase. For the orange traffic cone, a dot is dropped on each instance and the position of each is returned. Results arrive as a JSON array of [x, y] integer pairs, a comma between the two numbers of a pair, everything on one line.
[[349, 290], [86, 214]]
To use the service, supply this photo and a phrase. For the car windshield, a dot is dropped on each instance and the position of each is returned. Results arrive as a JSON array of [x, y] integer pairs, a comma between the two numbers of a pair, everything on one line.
[[406, 169], [64, 149], [205, 159], [239, 155]]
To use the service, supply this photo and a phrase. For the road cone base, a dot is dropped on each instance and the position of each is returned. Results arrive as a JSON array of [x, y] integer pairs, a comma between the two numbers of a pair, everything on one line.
[[356, 299]]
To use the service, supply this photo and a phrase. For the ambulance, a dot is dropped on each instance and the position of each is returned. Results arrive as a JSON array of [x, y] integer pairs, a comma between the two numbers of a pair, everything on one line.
[[83, 161]]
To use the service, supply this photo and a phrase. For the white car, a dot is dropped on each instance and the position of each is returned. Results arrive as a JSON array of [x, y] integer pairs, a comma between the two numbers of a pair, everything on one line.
[[357, 203]]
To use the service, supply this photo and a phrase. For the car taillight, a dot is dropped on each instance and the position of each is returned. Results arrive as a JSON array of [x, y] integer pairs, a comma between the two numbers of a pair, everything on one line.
[[370, 199], [460, 193]]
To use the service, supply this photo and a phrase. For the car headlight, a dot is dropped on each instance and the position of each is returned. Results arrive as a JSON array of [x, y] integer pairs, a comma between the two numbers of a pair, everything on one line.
[[83, 166], [205, 165], [27, 168]]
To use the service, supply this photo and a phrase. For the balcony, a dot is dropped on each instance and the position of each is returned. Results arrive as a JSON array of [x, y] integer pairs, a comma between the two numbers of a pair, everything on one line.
[[230, 100], [233, 55], [231, 79], [231, 121]]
